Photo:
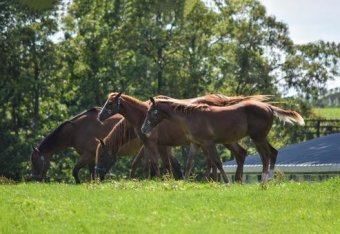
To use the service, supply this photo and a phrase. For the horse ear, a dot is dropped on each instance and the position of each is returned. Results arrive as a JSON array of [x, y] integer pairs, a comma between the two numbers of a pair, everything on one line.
[[119, 94], [152, 100]]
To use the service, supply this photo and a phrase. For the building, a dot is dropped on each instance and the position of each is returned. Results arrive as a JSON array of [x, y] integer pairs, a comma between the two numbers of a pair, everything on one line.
[[314, 160]]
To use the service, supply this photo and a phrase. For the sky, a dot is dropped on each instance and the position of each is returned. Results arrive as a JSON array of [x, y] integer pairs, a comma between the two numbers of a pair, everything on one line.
[[308, 21]]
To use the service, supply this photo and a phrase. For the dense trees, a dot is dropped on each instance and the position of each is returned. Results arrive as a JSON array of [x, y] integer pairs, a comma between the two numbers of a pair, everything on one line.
[[142, 47]]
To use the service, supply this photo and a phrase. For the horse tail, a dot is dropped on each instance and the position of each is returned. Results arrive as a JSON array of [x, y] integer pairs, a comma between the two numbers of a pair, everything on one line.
[[288, 116]]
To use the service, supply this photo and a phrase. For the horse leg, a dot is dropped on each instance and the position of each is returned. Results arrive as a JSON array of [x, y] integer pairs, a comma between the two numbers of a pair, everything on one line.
[[240, 155], [214, 174], [135, 162], [80, 164], [209, 164], [211, 169], [216, 161], [91, 166], [190, 160], [263, 148], [273, 156], [165, 153], [152, 154], [170, 162], [176, 167]]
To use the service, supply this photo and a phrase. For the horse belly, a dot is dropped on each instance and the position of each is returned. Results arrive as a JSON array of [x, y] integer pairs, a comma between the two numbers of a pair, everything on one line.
[[171, 135], [231, 130]]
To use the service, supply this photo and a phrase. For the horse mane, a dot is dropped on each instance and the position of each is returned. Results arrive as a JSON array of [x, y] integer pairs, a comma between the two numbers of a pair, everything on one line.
[[53, 136], [204, 103], [92, 109], [183, 107], [162, 97], [120, 134], [133, 100], [228, 101]]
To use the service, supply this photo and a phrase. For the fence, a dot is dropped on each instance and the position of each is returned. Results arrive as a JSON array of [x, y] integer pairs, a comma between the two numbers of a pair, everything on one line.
[[319, 127]]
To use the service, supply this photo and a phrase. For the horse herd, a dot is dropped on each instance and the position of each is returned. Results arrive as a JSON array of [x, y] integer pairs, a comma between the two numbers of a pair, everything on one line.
[[127, 126]]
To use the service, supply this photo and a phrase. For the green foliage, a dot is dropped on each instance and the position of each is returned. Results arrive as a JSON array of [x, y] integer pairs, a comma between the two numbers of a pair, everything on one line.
[[171, 207]]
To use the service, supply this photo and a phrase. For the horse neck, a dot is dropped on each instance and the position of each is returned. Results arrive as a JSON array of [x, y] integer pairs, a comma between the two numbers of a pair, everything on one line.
[[133, 110], [54, 143], [178, 117], [121, 134]]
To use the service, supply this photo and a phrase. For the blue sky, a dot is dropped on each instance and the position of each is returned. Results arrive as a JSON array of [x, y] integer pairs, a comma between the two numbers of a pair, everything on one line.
[[308, 21]]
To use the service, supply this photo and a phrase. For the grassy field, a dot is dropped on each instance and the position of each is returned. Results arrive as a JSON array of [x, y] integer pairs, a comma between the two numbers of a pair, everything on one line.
[[327, 113], [170, 207]]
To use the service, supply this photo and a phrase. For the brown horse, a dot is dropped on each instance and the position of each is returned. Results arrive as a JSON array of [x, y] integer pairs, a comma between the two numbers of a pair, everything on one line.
[[206, 125], [79, 133], [168, 133], [122, 141]]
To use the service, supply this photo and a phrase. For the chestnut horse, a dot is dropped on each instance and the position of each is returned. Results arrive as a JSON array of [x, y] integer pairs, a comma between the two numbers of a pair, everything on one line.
[[79, 133], [206, 125], [116, 143], [168, 134]]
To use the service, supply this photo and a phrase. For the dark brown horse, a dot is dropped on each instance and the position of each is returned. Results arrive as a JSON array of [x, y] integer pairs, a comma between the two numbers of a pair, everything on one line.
[[79, 133], [168, 133], [206, 125]]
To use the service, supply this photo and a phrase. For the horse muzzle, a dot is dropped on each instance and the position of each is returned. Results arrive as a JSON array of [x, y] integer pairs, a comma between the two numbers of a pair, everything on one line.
[[33, 177], [100, 172]]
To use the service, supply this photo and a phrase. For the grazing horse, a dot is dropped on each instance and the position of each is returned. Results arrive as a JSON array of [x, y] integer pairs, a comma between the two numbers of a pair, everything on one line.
[[122, 141], [79, 133], [206, 125], [168, 134]]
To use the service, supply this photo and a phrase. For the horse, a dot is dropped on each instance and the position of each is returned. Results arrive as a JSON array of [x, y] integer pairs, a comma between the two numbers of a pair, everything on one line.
[[121, 141], [206, 125], [80, 133], [169, 134]]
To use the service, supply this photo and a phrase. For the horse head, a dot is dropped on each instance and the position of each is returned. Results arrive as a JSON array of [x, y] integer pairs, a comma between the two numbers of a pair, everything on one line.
[[104, 160], [154, 116], [39, 165], [111, 106]]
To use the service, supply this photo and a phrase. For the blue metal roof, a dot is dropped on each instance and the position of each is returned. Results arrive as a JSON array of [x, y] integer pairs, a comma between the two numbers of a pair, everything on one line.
[[323, 150]]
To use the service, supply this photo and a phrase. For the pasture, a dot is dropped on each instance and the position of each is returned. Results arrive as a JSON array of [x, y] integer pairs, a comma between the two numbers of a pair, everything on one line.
[[167, 206], [327, 113]]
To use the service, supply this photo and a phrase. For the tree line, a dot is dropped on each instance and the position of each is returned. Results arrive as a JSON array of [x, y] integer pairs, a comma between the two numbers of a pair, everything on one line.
[[141, 47]]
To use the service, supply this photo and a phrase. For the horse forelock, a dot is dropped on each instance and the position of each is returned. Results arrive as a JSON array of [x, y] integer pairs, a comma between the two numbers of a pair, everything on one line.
[[111, 96]]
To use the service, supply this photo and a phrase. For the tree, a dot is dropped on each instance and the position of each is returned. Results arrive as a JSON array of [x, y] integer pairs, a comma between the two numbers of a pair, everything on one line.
[[27, 64]]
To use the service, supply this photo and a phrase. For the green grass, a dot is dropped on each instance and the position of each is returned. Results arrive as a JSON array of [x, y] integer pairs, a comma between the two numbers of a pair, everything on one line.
[[170, 207], [327, 113]]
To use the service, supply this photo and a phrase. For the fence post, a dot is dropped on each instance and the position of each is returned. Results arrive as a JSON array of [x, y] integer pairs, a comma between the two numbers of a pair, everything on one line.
[[318, 128]]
